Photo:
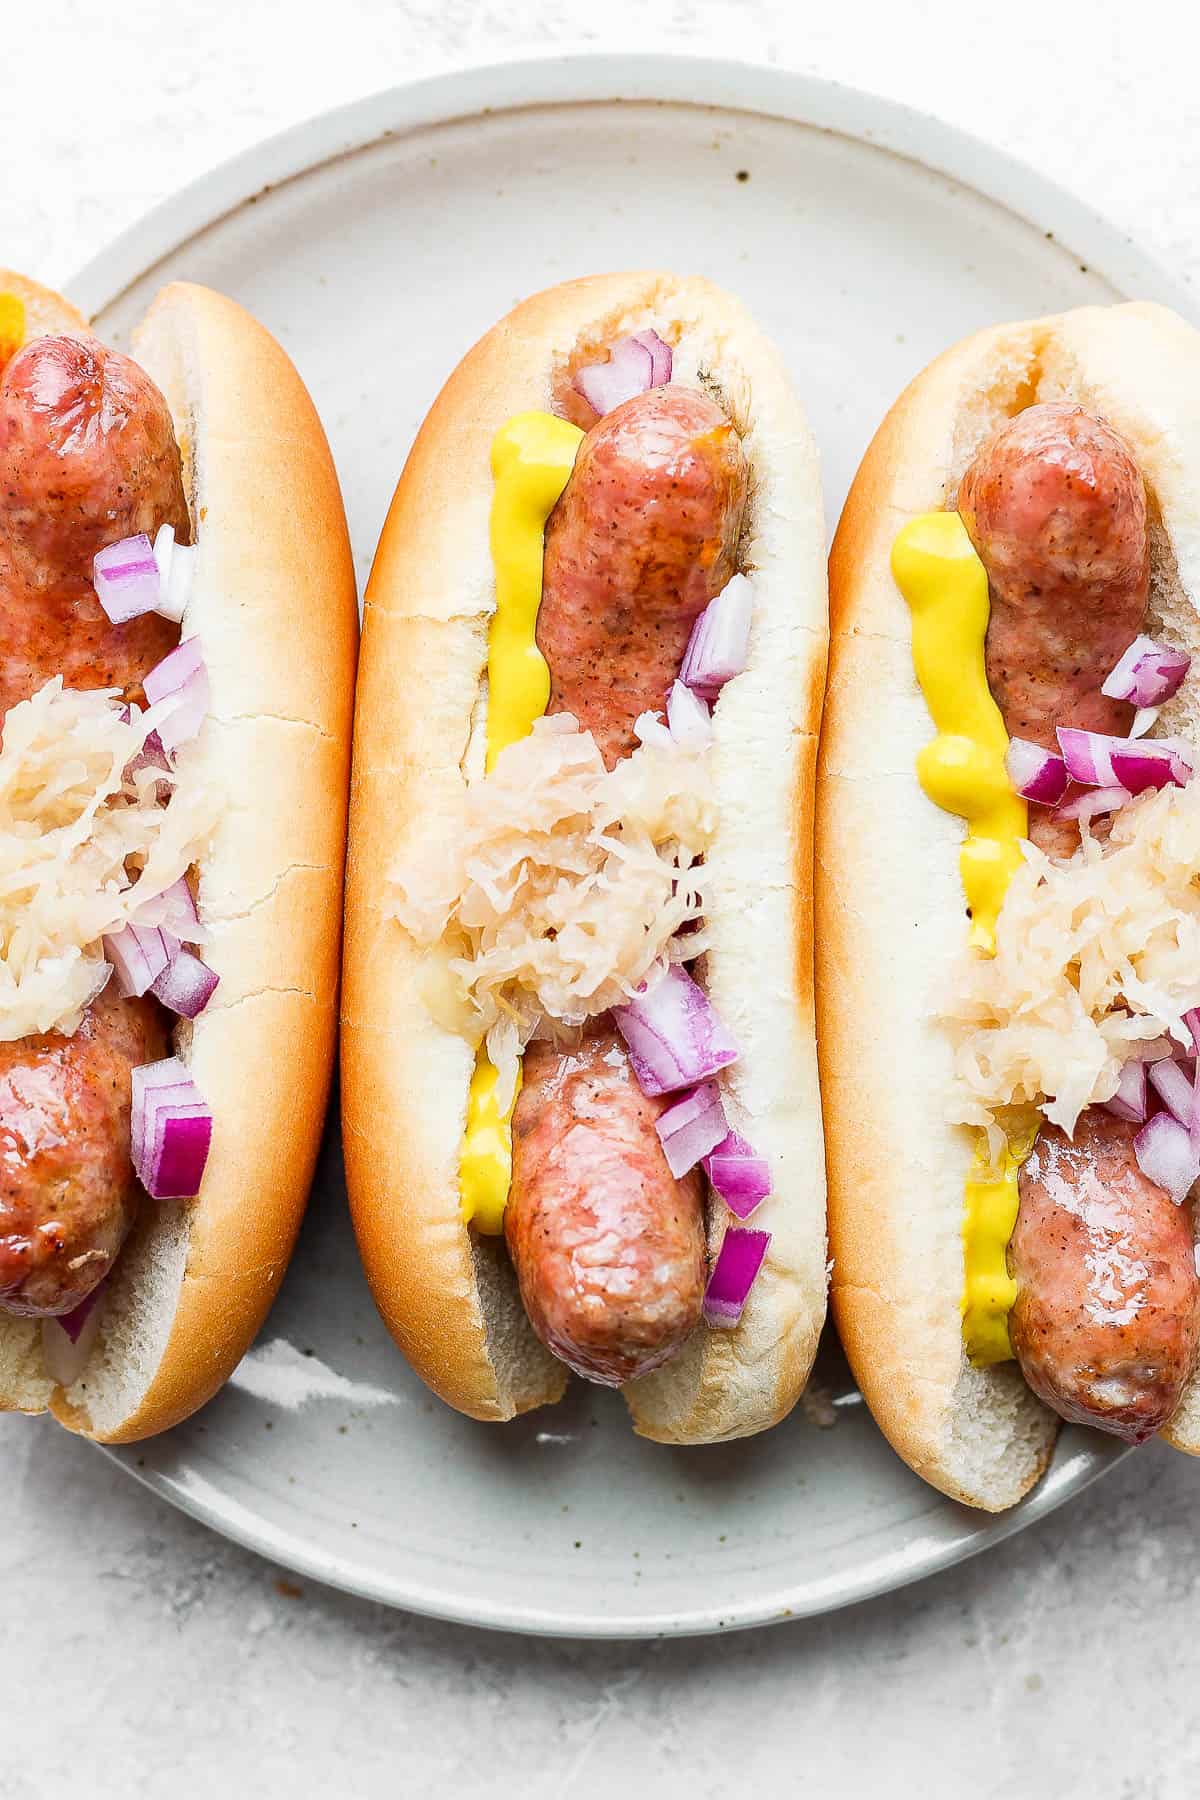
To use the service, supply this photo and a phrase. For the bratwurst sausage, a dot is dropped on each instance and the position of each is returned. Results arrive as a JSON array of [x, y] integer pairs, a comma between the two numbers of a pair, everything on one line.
[[644, 536], [608, 1246], [1056, 508], [1105, 1323], [1106, 1319], [87, 456]]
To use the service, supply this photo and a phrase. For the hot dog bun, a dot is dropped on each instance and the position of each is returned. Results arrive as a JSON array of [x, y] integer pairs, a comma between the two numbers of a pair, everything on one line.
[[274, 605], [890, 910], [448, 1296]]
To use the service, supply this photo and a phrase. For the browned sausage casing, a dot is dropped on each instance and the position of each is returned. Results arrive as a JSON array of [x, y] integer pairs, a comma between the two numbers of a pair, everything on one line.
[[67, 1192], [1106, 1319], [1056, 508], [608, 1246], [87, 456], [1105, 1324], [644, 536]]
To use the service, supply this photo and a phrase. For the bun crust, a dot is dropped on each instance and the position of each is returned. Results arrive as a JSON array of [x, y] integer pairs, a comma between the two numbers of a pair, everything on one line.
[[889, 904], [450, 1299], [273, 603]]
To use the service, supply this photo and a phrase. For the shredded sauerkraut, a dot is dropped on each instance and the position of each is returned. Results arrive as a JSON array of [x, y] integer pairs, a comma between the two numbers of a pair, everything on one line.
[[1095, 957], [556, 884], [89, 830]]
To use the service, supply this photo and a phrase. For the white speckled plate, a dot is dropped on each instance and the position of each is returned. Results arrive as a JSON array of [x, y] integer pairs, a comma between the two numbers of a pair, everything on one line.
[[378, 243]]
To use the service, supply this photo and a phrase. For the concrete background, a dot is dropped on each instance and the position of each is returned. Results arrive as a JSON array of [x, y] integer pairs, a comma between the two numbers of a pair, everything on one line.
[[139, 1655]]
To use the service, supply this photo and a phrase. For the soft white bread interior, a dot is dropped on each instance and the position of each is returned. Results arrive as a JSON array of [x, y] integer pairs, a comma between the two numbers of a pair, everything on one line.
[[273, 604], [450, 1298], [890, 909]]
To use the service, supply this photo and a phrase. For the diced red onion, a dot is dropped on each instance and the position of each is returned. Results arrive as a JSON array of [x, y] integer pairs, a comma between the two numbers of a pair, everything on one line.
[[674, 1036], [648, 728], [1093, 801], [176, 565], [175, 908], [1143, 719], [1166, 1155], [1101, 761], [1148, 673], [692, 1127], [720, 640], [68, 1341], [139, 954], [125, 576], [1036, 774], [181, 676], [171, 1129], [1129, 1101], [688, 717], [1181, 755], [186, 985], [738, 1262], [742, 1179], [1173, 1085], [662, 357], [635, 364]]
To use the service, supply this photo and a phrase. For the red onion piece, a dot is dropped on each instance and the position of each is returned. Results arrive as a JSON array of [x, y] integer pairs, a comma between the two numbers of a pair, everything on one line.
[[1173, 1085], [692, 1127], [181, 676], [720, 640], [171, 1130], [1166, 1155], [1093, 801], [628, 371], [1036, 774], [1147, 763], [174, 908], [1143, 719], [1148, 673], [139, 954], [125, 576], [186, 985], [68, 1341], [738, 1262], [176, 566], [1129, 1101], [688, 717], [673, 1034], [742, 1179], [662, 357]]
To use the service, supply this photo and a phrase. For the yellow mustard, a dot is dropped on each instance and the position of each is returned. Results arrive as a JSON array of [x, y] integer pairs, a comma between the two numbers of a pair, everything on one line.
[[989, 1218], [962, 769], [12, 326], [532, 458]]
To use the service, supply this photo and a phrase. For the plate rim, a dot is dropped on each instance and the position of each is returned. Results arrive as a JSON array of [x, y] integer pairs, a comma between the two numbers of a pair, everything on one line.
[[461, 91]]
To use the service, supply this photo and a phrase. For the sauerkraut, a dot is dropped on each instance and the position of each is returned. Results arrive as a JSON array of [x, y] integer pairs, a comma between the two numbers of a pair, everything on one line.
[[1095, 957], [90, 828], [555, 885]]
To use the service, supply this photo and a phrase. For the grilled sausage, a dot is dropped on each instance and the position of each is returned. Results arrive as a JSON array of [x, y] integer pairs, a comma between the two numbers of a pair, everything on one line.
[[1105, 1324], [1106, 1319], [644, 536], [67, 1190], [609, 1247], [607, 1244], [87, 456], [1056, 508]]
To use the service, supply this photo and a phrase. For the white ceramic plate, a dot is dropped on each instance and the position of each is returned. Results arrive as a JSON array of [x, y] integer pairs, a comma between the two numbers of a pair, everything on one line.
[[378, 242]]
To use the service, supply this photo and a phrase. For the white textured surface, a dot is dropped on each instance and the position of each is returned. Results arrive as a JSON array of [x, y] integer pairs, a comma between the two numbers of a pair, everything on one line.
[[148, 1657]]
